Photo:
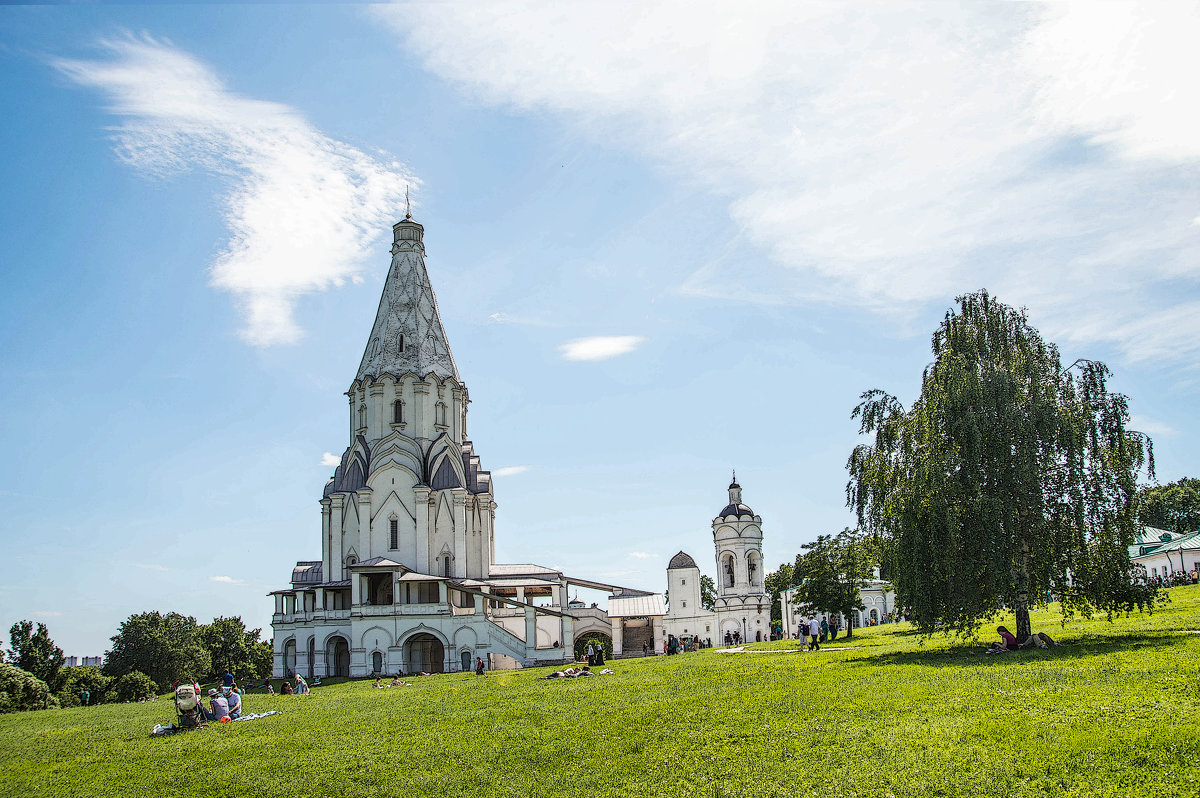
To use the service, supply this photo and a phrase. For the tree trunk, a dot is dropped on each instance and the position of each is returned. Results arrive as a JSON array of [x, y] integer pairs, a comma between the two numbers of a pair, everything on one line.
[[1021, 605]]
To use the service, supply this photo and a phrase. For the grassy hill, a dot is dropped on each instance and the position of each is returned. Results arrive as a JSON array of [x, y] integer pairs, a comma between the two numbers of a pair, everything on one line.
[[1115, 711]]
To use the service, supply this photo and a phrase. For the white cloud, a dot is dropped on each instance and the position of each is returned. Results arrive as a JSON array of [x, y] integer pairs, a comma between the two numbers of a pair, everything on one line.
[[303, 209], [150, 566], [47, 614], [228, 580], [889, 155], [506, 318], [508, 471], [601, 347], [330, 459], [1151, 426], [641, 555]]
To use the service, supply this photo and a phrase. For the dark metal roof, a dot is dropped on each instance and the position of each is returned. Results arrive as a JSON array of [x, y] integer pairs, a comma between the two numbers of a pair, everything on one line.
[[445, 477], [681, 560], [740, 510]]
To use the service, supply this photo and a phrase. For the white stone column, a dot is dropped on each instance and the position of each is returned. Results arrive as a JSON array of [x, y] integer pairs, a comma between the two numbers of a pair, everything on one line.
[[326, 541], [455, 415], [355, 589], [364, 524], [530, 636], [568, 638], [458, 564], [420, 411], [421, 510], [658, 633], [618, 638], [337, 556]]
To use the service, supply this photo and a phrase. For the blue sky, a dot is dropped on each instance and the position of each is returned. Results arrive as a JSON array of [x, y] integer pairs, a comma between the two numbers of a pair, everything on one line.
[[663, 246]]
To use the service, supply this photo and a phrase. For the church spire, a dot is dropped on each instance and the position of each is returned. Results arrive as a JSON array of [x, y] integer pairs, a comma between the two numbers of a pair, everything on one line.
[[408, 335]]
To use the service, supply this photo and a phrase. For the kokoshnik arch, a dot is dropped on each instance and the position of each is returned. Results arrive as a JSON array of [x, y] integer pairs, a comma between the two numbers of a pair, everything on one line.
[[407, 578]]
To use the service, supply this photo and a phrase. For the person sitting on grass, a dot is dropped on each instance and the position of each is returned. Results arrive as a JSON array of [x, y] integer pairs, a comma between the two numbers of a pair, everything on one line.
[[234, 700], [301, 685], [377, 685], [220, 707], [286, 688]]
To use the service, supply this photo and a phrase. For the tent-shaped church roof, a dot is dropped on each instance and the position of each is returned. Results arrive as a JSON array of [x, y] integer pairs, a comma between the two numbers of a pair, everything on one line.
[[407, 335]]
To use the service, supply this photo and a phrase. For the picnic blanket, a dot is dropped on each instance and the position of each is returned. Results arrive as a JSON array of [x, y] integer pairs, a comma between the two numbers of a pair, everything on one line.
[[160, 730]]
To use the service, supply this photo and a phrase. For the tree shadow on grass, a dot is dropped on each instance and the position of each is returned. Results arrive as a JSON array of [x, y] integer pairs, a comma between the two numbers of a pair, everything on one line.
[[971, 655]]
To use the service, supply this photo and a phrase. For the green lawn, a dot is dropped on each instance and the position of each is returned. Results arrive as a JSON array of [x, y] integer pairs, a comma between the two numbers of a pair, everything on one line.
[[1112, 712]]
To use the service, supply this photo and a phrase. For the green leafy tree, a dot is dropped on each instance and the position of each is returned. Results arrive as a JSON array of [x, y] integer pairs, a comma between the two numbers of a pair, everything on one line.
[[132, 686], [166, 648], [35, 652], [234, 648], [831, 571], [708, 592], [79, 679], [1174, 507], [1008, 479], [776, 582], [21, 691]]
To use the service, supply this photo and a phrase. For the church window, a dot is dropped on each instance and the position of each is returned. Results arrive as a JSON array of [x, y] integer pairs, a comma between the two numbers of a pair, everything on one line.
[[397, 412], [394, 533], [446, 565], [683, 581], [362, 415], [440, 414], [685, 607]]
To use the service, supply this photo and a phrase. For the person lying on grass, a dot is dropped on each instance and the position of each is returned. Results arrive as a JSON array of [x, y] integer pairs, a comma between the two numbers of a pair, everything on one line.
[[570, 673], [1008, 642]]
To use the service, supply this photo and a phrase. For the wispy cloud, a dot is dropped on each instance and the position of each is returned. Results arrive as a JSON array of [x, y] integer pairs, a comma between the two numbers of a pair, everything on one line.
[[506, 318], [641, 555], [330, 459], [47, 614], [509, 471], [886, 155], [303, 209], [1151, 426], [228, 580], [600, 347], [149, 566]]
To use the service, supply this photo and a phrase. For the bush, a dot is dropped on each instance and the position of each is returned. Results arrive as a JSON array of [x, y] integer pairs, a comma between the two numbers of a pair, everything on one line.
[[78, 679], [21, 691], [133, 686]]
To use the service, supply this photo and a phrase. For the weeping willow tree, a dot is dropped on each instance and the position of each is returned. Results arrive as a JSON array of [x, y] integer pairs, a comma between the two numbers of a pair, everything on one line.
[[1010, 479]]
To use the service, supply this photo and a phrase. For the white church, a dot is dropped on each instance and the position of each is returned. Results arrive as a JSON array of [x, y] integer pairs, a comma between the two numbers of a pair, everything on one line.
[[407, 579], [742, 603]]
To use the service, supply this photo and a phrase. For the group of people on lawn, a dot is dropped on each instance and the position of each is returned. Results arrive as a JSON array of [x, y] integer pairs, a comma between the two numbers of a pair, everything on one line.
[[226, 702]]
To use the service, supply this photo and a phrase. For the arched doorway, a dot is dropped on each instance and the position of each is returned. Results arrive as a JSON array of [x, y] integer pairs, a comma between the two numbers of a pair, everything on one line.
[[312, 656], [289, 658], [424, 652], [377, 663], [338, 657], [464, 659]]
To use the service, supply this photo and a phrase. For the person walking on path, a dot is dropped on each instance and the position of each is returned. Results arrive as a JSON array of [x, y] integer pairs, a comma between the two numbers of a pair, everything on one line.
[[814, 631], [824, 629]]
